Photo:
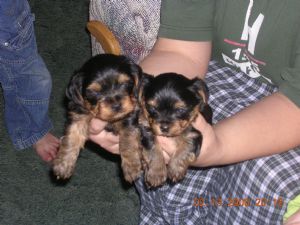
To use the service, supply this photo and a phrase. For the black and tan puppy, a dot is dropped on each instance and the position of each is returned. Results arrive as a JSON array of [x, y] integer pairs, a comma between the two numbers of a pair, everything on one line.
[[105, 88], [170, 103]]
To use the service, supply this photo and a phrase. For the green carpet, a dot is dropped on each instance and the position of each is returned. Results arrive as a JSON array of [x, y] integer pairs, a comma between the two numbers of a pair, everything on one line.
[[96, 194]]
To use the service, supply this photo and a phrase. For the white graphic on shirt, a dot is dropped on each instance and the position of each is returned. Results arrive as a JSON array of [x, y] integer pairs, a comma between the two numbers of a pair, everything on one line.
[[253, 33], [243, 54], [247, 67]]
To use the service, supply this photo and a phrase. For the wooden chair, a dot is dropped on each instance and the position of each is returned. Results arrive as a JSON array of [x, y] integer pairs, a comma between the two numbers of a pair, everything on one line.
[[104, 36]]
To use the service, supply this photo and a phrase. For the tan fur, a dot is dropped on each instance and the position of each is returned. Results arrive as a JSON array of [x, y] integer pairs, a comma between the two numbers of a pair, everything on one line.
[[179, 104], [112, 108], [71, 143], [156, 171], [204, 96], [177, 127], [181, 160], [123, 78], [152, 103], [154, 166], [95, 87], [130, 151], [104, 111]]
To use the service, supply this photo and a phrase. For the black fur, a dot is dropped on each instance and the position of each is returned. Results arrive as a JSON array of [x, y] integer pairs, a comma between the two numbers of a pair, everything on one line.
[[170, 87], [171, 102], [100, 68]]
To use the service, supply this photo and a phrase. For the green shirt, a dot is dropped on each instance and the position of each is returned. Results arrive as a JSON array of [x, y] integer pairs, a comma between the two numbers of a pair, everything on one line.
[[259, 37]]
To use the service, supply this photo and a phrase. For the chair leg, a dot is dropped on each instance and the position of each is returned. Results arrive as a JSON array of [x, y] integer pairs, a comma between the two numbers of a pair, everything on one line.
[[104, 36]]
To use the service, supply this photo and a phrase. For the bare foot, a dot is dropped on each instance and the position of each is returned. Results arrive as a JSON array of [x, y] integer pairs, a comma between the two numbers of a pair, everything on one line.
[[47, 147]]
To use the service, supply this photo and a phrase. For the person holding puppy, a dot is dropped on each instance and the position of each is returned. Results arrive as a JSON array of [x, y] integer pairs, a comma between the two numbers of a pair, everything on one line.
[[250, 157]]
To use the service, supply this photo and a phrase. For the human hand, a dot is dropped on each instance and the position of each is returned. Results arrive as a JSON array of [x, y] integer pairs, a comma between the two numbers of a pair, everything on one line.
[[100, 136]]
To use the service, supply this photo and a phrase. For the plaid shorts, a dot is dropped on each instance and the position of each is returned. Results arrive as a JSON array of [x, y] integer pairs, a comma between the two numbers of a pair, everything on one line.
[[252, 192]]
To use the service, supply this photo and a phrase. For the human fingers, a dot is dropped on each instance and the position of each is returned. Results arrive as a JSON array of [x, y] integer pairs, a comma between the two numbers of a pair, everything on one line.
[[200, 123], [107, 141], [52, 152], [96, 126], [168, 147]]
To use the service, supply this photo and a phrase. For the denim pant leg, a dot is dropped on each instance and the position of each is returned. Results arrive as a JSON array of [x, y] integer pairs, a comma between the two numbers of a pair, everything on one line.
[[24, 77]]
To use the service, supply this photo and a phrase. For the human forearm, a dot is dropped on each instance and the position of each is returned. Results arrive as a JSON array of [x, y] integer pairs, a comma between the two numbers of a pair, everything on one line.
[[268, 127], [185, 57]]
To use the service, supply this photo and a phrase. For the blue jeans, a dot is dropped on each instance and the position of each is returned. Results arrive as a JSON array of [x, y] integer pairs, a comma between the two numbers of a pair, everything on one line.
[[24, 77]]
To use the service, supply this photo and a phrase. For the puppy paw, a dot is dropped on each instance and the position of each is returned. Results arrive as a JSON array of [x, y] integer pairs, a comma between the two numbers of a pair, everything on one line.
[[63, 169], [64, 164], [156, 174], [177, 167], [132, 170]]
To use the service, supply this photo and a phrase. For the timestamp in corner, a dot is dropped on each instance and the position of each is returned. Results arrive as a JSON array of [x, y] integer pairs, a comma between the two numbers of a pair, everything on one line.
[[237, 202]]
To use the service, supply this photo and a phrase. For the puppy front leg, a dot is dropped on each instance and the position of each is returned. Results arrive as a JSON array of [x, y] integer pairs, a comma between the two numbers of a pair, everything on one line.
[[71, 143], [189, 145], [156, 170], [153, 161], [130, 154]]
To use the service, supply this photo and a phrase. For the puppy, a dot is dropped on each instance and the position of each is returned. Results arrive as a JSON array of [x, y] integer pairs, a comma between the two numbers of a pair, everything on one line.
[[170, 103], [106, 87]]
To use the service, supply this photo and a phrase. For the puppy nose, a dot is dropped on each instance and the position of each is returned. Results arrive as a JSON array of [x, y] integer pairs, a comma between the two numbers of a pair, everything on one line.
[[164, 127], [116, 107]]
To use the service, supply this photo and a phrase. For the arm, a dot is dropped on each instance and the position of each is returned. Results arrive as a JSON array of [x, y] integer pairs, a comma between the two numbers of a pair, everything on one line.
[[268, 127], [186, 57]]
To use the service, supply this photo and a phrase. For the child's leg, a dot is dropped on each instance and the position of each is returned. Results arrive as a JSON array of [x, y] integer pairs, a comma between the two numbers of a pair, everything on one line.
[[25, 80]]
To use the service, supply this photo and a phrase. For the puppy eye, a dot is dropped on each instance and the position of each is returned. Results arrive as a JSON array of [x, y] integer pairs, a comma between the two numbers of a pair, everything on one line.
[[98, 94], [118, 97], [151, 110], [182, 113], [127, 85], [181, 110], [90, 93]]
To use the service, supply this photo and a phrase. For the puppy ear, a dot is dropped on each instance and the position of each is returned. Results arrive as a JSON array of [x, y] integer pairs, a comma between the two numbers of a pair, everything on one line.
[[144, 81], [128, 66], [137, 73], [207, 113], [201, 89], [74, 93]]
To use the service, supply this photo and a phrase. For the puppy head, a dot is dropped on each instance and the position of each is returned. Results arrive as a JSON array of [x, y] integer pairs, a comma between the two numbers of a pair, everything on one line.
[[171, 102], [105, 86]]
